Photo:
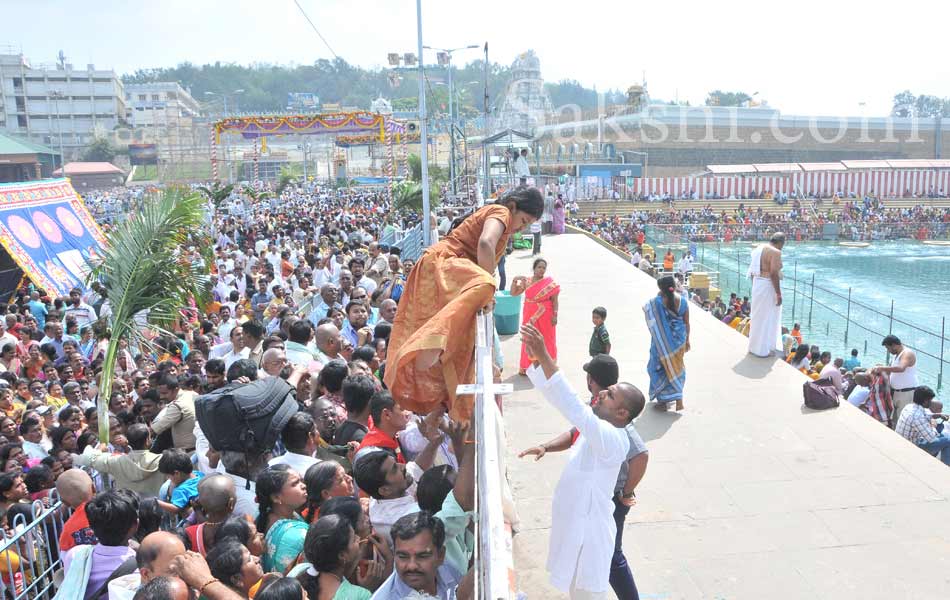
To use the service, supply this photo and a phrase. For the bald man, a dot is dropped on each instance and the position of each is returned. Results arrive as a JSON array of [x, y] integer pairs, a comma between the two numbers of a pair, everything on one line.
[[273, 361], [152, 560], [328, 341], [163, 588], [378, 267], [75, 488], [583, 529], [217, 497]]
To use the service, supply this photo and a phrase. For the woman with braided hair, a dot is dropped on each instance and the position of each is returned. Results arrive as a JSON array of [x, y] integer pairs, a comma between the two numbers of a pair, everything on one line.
[[667, 317]]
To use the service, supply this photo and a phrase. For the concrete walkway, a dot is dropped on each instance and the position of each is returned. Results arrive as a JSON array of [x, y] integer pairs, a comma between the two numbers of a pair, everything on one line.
[[747, 494]]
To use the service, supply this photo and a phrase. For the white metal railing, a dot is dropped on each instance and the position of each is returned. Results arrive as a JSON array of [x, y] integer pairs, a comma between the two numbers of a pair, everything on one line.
[[494, 563]]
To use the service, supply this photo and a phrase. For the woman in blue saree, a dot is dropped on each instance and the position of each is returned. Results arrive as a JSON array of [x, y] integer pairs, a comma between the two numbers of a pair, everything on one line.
[[667, 318]]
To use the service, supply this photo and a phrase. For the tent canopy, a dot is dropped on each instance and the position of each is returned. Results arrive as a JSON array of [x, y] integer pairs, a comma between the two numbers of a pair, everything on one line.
[[506, 138], [47, 232]]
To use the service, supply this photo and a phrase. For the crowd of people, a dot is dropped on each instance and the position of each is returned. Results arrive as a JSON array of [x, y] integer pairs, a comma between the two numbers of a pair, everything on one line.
[[354, 497], [856, 220]]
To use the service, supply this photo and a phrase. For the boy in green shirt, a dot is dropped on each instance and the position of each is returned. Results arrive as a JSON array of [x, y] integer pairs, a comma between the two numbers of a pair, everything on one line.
[[600, 339]]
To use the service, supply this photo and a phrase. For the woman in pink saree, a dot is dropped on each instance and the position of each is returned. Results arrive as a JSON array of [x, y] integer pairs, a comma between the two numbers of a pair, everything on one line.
[[540, 307], [558, 224]]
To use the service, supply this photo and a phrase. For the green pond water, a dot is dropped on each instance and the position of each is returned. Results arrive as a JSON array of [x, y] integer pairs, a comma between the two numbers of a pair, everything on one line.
[[915, 276]]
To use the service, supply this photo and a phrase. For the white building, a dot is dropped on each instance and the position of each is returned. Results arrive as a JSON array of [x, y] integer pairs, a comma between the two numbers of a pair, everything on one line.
[[58, 105], [158, 104]]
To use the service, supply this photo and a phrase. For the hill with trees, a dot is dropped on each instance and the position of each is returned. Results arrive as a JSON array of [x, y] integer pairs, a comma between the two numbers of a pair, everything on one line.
[[336, 81]]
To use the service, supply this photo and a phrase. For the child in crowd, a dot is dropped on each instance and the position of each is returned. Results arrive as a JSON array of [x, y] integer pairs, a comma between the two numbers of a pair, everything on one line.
[[600, 338], [183, 480]]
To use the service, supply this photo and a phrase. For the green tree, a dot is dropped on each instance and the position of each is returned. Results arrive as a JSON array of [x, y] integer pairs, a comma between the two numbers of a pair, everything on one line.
[[142, 274], [721, 98], [217, 193], [100, 150]]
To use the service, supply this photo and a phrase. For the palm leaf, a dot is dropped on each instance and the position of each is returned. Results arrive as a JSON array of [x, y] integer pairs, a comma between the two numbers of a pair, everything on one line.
[[142, 275]]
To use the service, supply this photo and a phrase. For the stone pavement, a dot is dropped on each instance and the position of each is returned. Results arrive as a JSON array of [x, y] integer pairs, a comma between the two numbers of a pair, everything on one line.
[[747, 494]]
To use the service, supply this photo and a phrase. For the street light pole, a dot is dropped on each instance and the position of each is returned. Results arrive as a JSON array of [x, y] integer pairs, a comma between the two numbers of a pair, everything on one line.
[[426, 229], [56, 95], [448, 53]]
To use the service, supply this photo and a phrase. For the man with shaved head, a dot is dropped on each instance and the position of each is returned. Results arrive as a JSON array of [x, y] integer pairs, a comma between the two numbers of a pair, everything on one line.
[[329, 342], [274, 361], [583, 529], [217, 497], [152, 560], [75, 488]]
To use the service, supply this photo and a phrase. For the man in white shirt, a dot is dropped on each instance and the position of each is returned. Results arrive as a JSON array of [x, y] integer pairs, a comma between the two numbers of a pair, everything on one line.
[[226, 324], [859, 394], [243, 469], [833, 372], [301, 439], [635, 259], [583, 528], [84, 314], [521, 166], [391, 487], [686, 264]]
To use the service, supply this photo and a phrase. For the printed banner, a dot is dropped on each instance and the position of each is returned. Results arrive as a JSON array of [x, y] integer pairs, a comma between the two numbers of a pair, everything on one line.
[[47, 230]]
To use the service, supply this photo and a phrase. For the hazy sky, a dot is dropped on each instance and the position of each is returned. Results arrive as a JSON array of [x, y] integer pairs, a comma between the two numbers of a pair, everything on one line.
[[806, 57]]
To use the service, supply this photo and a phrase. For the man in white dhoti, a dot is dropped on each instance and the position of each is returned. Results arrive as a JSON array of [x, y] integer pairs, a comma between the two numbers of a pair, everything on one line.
[[582, 523], [765, 269]]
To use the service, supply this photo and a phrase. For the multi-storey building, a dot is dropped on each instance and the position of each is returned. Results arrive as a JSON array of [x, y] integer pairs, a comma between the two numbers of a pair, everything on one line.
[[58, 105]]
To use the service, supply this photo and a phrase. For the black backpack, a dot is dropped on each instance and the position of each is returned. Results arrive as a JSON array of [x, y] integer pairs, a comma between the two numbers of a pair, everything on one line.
[[248, 417]]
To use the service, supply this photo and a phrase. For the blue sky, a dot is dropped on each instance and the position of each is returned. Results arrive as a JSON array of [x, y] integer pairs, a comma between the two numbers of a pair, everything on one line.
[[806, 57]]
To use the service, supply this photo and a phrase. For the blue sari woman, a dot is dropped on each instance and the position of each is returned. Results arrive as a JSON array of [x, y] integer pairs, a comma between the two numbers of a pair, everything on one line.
[[667, 317]]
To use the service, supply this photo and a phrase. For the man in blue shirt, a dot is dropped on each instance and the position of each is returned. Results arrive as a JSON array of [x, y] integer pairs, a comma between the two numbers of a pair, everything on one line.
[[261, 299], [419, 553], [38, 309], [355, 328], [852, 363]]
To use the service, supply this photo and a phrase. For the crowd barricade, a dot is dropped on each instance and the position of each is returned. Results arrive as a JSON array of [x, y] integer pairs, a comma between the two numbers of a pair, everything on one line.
[[29, 555], [494, 562]]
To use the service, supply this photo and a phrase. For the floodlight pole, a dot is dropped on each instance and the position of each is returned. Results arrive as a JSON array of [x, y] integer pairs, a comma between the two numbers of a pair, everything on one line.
[[423, 151]]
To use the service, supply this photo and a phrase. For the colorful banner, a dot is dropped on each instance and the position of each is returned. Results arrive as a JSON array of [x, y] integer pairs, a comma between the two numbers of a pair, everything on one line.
[[357, 122], [47, 230]]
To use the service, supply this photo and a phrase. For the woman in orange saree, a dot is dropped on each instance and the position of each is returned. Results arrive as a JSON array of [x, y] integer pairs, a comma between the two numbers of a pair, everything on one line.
[[432, 345], [540, 308]]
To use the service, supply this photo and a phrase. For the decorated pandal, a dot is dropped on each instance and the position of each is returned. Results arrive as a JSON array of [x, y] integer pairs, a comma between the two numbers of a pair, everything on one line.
[[350, 128]]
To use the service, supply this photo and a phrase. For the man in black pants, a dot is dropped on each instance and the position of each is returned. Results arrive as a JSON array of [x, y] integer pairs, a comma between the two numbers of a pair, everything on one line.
[[603, 372]]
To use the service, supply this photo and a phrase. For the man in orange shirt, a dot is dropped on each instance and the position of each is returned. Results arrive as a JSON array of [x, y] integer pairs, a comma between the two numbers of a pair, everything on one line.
[[75, 489]]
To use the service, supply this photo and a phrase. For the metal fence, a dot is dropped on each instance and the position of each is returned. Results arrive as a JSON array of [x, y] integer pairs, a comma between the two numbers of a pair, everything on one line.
[[681, 233], [29, 555]]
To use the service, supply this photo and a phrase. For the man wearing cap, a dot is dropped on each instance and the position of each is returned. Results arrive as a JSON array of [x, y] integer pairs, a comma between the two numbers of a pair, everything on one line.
[[603, 372], [901, 373]]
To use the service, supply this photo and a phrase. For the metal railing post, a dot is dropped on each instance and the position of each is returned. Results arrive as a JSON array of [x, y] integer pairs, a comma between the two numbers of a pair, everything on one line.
[[943, 333], [890, 328], [794, 290], [847, 321], [738, 269], [811, 305]]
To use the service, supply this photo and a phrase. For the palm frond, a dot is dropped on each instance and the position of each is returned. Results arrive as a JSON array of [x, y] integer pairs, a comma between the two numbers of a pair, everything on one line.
[[143, 274]]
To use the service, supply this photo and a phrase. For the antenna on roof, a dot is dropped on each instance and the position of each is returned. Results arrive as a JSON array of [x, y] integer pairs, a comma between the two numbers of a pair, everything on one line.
[[61, 57]]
